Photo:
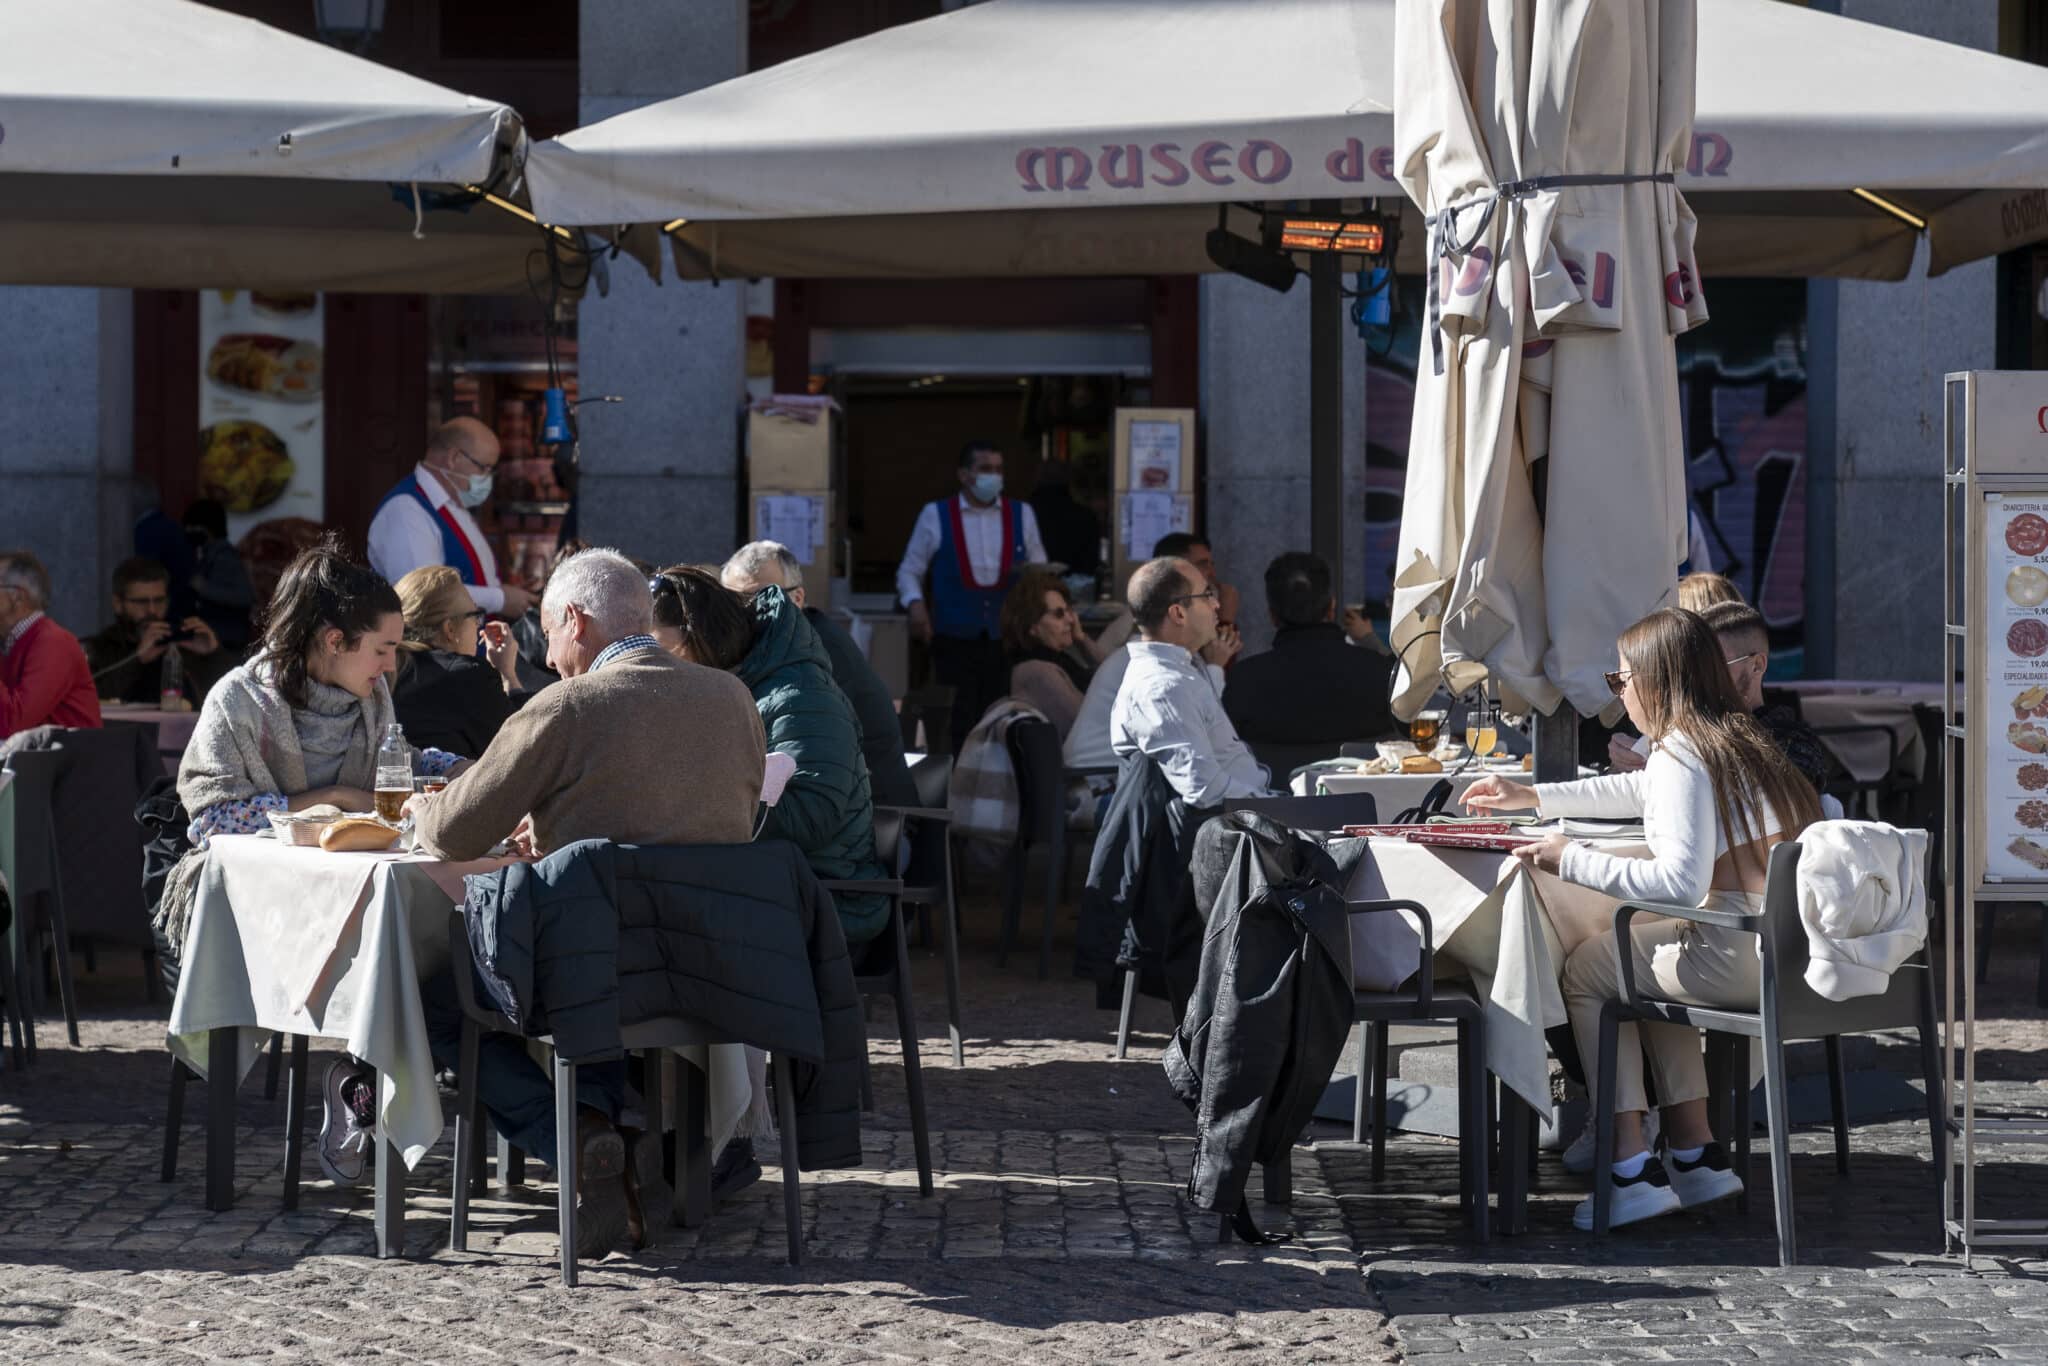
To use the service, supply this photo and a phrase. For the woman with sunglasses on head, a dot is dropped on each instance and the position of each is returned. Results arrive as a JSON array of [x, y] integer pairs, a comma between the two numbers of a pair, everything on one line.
[[1051, 657], [446, 697], [1715, 796]]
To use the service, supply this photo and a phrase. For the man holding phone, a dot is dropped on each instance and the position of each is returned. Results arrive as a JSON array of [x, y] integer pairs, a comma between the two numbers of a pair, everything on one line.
[[141, 656]]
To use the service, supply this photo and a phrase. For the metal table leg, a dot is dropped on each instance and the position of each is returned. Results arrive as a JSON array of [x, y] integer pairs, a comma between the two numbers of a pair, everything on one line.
[[390, 1218], [223, 1060]]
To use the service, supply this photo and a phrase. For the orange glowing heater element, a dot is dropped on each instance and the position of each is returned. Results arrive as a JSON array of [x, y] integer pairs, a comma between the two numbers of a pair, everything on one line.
[[1333, 234]]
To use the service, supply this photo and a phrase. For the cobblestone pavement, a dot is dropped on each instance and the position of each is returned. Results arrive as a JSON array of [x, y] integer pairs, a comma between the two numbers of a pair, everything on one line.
[[1056, 1233]]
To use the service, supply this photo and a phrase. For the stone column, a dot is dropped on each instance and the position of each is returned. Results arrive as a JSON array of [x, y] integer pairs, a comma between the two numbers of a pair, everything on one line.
[[1255, 415], [1894, 343], [67, 439], [661, 471]]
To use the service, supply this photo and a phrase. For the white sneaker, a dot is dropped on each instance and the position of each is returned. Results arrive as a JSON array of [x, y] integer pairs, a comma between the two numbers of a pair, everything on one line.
[[1579, 1157], [1706, 1180], [1645, 1195], [348, 1126]]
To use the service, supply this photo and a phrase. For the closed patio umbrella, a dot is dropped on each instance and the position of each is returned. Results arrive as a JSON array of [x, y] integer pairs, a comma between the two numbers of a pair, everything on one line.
[[1541, 140]]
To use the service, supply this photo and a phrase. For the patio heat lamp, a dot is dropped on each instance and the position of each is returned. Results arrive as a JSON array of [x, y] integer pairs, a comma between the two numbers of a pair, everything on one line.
[[351, 25]]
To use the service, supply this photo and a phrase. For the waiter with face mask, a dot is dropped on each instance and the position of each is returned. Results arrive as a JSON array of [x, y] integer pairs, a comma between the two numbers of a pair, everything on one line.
[[425, 520], [971, 546]]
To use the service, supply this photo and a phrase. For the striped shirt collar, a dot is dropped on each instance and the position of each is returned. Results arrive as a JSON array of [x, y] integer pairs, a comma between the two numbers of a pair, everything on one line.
[[622, 646], [20, 630]]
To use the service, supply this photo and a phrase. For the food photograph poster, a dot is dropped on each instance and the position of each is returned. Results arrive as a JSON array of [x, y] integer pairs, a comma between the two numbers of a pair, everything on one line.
[[2016, 688], [261, 442]]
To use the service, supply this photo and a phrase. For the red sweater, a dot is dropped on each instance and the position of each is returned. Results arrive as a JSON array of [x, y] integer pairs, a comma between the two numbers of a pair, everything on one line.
[[45, 681]]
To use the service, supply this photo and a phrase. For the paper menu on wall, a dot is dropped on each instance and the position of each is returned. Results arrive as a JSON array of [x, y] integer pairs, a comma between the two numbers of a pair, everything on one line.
[[2015, 742], [1145, 517], [797, 520], [1155, 456]]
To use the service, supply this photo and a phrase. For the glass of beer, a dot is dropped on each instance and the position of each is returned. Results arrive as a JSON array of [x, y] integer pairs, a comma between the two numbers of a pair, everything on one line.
[[1482, 730], [434, 784], [391, 801], [1424, 729]]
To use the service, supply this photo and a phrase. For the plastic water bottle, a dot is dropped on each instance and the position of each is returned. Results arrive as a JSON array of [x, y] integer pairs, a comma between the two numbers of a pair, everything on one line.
[[394, 773]]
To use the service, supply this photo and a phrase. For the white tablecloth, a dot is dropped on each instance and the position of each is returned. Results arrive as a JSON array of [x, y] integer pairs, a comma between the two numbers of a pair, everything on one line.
[[334, 946], [1865, 757], [1509, 928]]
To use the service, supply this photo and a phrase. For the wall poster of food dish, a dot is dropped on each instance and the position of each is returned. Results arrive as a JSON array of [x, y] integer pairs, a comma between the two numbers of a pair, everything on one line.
[[261, 380], [2015, 645]]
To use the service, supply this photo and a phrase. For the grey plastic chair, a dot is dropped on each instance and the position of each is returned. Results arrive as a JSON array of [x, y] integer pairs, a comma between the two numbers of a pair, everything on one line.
[[1788, 1010], [652, 1037], [928, 828]]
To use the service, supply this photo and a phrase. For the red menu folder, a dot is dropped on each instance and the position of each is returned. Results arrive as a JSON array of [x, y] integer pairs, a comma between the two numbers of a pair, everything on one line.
[[1455, 837], [1457, 827]]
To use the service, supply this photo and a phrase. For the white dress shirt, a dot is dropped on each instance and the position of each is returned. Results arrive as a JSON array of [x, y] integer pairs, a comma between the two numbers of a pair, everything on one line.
[[985, 529], [404, 536], [1087, 743], [1168, 709]]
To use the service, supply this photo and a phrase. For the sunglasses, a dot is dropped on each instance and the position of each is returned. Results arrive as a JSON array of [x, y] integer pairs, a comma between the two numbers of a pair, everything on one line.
[[1617, 680]]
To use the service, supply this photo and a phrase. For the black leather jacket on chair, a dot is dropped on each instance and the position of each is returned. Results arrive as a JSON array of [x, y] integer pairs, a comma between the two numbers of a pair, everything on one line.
[[1272, 1004]]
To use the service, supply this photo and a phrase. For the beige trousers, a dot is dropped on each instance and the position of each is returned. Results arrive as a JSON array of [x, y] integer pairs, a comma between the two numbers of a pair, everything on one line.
[[1679, 961]]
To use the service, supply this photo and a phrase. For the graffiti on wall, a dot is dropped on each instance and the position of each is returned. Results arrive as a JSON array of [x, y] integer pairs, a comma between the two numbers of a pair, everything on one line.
[[1742, 394]]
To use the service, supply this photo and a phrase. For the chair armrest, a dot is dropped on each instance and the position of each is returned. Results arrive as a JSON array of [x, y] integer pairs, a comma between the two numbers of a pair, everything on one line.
[[887, 886], [1698, 915], [938, 815], [1425, 971]]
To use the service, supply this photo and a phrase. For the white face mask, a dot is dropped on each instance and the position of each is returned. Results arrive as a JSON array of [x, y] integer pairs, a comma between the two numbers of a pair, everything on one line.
[[986, 488], [476, 491]]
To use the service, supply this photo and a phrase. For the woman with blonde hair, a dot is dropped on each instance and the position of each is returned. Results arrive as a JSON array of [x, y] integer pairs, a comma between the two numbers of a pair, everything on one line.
[[1716, 795], [446, 697], [1698, 592]]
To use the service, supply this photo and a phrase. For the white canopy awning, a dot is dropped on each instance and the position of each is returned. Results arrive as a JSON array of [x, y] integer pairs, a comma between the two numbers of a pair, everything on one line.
[[961, 144], [161, 143]]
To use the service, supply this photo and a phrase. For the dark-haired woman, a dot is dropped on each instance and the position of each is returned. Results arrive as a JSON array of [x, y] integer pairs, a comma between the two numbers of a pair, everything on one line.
[[297, 726], [1716, 795], [1045, 645], [827, 810]]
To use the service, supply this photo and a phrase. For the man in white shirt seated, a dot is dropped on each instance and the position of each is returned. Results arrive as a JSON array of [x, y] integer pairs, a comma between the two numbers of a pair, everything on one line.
[[1167, 707], [425, 520]]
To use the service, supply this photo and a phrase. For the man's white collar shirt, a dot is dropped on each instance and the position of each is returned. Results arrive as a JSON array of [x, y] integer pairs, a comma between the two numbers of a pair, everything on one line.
[[1168, 710], [984, 528], [404, 536]]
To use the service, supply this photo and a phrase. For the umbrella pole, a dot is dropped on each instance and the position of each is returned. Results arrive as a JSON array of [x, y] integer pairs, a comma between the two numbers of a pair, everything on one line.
[[1556, 737], [1326, 412]]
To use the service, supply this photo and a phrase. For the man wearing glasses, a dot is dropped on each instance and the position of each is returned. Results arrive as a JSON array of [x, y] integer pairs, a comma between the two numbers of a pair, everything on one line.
[[426, 519], [1166, 707], [141, 656]]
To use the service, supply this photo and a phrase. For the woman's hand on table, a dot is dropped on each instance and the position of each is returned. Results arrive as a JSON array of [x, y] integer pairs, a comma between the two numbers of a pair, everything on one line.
[[1546, 854], [1495, 793]]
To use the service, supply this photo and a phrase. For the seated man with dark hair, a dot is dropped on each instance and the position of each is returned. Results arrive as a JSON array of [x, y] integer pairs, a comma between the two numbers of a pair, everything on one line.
[[1166, 708], [1311, 688], [1746, 641], [140, 656]]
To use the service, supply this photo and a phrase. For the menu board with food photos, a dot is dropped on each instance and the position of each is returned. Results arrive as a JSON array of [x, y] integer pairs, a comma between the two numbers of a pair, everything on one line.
[[261, 382], [2015, 783]]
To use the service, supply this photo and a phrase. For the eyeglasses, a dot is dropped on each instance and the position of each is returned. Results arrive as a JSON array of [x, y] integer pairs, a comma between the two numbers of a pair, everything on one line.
[[481, 467], [1744, 659], [1617, 680], [1210, 593], [1059, 613], [161, 600]]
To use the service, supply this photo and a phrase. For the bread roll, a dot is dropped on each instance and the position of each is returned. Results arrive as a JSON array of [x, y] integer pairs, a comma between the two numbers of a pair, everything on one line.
[[325, 811], [356, 833], [1420, 763]]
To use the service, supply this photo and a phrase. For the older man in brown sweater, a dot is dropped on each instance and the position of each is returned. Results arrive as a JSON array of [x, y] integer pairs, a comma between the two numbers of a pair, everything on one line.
[[633, 745]]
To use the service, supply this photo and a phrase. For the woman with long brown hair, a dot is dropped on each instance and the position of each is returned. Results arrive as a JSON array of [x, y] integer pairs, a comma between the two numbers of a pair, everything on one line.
[[1716, 794]]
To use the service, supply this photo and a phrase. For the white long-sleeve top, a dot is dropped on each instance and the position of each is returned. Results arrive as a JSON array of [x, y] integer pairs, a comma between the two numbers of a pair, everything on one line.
[[1087, 743], [984, 529], [1168, 709], [404, 536], [1675, 799]]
